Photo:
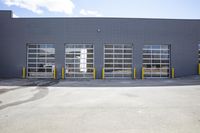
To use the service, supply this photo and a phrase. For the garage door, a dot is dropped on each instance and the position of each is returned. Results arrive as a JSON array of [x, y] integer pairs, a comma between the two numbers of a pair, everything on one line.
[[79, 61], [156, 61], [118, 60], [40, 60]]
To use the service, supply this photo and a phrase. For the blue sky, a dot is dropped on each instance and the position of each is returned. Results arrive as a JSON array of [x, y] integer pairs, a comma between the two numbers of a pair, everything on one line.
[[180, 9]]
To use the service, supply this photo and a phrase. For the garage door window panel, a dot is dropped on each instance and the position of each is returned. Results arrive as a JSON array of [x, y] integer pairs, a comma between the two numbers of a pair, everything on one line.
[[117, 57], [40, 59], [155, 59], [79, 60]]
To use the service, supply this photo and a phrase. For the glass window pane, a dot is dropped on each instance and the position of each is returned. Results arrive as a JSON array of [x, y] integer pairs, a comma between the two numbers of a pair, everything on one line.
[[31, 60], [108, 65], [88, 46], [108, 70], [155, 46], [146, 61], [127, 51], [89, 55], [42, 46], [42, 55], [128, 46], [32, 55], [70, 56], [155, 51], [164, 56], [108, 55], [147, 46], [127, 56], [108, 60], [127, 65], [118, 56], [146, 65], [118, 60], [164, 46], [108, 46], [89, 60], [146, 56], [155, 56], [164, 61], [155, 61], [146, 51], [69, 46], [108, 51], [118, 46], [89, 51], [32, 70], [32, 46], [165, 51], [127, 61], [118, 51]]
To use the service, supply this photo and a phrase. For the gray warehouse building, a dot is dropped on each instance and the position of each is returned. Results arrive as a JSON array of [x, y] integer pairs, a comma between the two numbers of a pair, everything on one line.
[[108, 48]]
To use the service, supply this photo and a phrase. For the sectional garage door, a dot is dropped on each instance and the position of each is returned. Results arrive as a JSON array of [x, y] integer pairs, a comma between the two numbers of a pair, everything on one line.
[[156, 61], [40, 60], [79, 61], [118, 60]]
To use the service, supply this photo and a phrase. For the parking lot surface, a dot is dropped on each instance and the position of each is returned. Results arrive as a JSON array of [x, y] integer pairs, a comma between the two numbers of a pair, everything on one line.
[[100, 106]]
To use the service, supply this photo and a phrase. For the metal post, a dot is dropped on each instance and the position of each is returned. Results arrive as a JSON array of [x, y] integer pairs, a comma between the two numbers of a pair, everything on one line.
[[63, 73], [142, 72], [173, 73], [199, 68], [94, 73], [134, 73], [23, 72], [103, 72], [54, 73]]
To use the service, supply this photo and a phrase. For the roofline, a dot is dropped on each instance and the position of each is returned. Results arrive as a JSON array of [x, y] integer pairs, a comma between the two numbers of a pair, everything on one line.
[[11, 12], [174, 19]]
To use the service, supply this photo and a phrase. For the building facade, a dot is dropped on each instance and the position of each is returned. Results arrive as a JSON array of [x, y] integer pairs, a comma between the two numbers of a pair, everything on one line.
[[112, 48]]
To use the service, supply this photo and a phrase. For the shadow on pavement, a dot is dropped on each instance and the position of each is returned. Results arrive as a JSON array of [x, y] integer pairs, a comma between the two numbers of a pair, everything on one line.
[[41, 89], [42, 85]]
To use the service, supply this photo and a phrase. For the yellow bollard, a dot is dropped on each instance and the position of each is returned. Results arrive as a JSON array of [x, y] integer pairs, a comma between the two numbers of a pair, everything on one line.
[[134, 73], [63, 73], [94, 73], [199, 68], [23, 72], [142, 72], [103, 73], [54, 73], [173, 73]]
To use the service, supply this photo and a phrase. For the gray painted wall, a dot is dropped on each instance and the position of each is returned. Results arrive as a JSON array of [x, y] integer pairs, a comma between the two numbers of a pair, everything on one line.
[[15, 33]]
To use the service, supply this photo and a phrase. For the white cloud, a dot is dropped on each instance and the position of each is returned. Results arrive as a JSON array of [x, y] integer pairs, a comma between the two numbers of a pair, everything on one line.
[[90, 13], [14, 15], [38, 6]]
